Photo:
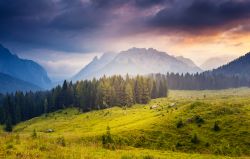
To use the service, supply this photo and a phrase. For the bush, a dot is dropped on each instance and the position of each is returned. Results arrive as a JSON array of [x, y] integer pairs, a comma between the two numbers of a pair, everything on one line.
[[216, 127], [179, 124], [195, 139], [61, 141], [178, 145], [8, 126], [207, 144], [34, 134], [107, 140], [148, 157], [198, 119]]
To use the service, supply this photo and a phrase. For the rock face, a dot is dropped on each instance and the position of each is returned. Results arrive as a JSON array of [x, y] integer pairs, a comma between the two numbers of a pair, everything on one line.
[[25, 70], [136, 61]]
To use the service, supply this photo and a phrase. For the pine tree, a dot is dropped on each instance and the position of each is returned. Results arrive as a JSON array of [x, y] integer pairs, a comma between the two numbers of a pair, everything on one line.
[[137, 90], [128, 95], [45, 106], [145, 96], [8, 124], [154, 91]]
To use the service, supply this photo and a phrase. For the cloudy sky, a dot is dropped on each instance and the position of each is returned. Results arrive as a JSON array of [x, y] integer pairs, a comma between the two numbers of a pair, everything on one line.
[[63, 35]]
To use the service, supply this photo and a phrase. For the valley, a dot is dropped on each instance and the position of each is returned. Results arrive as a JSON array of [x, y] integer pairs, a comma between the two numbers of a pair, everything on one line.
[[186, 124]]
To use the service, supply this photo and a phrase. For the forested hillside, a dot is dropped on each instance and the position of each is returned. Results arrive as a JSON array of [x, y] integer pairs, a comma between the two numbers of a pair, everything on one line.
[[86, 95], [239, 67], [206, 80]]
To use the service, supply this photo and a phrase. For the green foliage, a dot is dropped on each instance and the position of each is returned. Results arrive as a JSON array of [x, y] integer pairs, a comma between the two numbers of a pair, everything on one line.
[[8, 125], [34, 134], [86, 95], [179, 124], [61, 141], [148, 157], [107, 140], [216, 127], [195, 139], [139, 130], [198, 119]]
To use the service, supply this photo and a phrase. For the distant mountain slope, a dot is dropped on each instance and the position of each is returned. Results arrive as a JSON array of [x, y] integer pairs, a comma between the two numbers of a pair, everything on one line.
[[95, 65], [137, 61], [25, 70], [189, 62], [239, 67], [10, 84], [215, 62]]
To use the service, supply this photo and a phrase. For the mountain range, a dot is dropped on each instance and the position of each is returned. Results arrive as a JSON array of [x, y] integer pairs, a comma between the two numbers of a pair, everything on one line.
[[16, 72], [24, 75], [136, 61]]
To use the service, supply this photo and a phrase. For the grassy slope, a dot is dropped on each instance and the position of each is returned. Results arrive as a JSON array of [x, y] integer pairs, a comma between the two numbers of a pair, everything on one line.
[[143, 132]]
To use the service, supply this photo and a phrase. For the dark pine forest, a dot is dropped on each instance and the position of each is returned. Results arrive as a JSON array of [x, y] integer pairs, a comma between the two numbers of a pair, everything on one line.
[[86, 95]]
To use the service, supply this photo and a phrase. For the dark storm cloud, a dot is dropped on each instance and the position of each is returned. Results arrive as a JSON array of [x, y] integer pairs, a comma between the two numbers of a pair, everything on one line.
[[202, 14], [80, 25], [149, 3], [136, 3]]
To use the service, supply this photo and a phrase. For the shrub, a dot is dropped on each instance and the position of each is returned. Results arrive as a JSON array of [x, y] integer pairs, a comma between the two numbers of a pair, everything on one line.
[[148, 157], [61, 141], [34, 134], [195, 139], [8, 126], [198, 119], [216, 127], [107, 140], [9, 146], [178, 145], [179, 124], [207, 144]]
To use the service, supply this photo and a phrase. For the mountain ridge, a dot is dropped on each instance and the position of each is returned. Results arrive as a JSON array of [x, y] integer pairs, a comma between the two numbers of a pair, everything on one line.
[[138, 61], [23, 69], [216, 62], [94, 65], [9, 84], [239, 67]]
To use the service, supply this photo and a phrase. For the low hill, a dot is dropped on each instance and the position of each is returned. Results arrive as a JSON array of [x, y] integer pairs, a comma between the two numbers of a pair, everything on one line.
[[25, 70], [10, 84], [194, 124], [137, 61]]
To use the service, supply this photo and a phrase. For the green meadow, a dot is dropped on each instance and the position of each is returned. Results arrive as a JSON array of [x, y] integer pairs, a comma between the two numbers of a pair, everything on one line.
[[186, 124]]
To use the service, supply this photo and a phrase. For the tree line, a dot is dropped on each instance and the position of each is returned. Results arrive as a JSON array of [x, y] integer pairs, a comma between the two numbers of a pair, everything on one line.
[[86, 95], [206, 80], [107, 92]]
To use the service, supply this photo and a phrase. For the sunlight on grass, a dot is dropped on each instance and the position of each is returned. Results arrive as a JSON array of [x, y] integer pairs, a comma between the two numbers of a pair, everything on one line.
[[142, 132]]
